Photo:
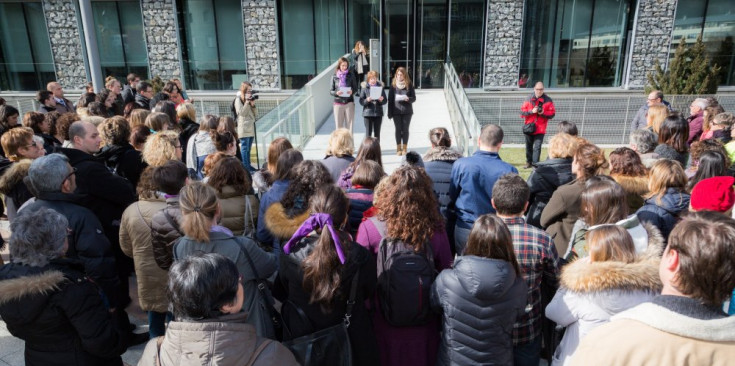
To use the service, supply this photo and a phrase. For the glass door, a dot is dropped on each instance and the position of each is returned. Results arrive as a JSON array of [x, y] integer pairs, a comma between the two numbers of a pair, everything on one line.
[[432, 29], [399, 47]]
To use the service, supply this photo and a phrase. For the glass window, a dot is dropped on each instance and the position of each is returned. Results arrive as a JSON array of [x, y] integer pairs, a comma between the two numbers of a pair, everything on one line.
[[715, 21], [26, 62], [120, 39], [575, 43], [466, 40], [213, 44]]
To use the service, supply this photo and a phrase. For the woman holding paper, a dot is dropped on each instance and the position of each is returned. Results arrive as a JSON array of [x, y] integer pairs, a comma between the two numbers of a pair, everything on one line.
[[372, 99], [400, 98], [344, 86]]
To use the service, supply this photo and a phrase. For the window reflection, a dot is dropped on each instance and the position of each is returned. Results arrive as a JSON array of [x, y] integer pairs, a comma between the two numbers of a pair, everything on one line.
[[120, 39], [25, 52]]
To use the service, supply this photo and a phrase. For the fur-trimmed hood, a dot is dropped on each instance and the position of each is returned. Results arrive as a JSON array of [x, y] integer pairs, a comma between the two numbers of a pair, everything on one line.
[[442, 154], [282, 226], [363, 84], [14, 175], [36, 284], [637, 185]]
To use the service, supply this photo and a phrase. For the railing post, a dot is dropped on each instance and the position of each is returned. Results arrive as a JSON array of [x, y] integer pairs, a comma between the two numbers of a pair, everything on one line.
[[625, 122], [584, 117]]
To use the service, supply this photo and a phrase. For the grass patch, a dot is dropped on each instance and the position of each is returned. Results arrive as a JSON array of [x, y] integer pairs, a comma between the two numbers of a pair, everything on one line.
[[516, 156]]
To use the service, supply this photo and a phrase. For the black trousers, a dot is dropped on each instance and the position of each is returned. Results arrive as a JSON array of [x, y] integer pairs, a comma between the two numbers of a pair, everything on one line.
[[533, 148], [373, 124], [402, 121]]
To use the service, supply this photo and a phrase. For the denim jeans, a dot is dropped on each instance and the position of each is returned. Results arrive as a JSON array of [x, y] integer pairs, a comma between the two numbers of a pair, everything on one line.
[[157, 323], [460, 238], [533, 148], [245, 144], [200, 165], [527, 354]]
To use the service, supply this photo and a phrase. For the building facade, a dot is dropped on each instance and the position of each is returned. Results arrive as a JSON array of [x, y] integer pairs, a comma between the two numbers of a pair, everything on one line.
[[493, 44]]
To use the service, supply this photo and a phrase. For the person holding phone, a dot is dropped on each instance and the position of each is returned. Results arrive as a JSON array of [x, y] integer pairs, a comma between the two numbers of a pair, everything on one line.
[[537, 109], [344, 86]]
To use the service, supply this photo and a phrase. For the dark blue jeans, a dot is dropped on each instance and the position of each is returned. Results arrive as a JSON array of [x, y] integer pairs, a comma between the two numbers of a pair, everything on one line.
[[157, 323], [245, 144], [528, 354], [460, 238]]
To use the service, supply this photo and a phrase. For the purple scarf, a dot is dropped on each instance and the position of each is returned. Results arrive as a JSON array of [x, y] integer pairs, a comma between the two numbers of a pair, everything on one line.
[[342, 75], [316, 221]]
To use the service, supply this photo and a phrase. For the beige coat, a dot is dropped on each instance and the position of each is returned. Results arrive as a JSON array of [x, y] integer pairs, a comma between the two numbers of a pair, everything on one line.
[[233, 215], [246, 115], [135, 242], [225, 341], [653, 335]]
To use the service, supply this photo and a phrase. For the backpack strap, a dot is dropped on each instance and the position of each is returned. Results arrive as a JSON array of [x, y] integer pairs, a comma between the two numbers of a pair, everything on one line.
[[258, 351], [380, 225], [351, 300], [171, 221]]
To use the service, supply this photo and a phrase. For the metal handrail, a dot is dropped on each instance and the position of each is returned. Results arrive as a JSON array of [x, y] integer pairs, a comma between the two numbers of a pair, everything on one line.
[[460, 109]]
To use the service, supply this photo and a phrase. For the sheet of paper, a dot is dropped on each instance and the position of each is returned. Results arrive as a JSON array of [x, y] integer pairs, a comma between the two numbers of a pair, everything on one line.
[[344, 91], [375, 92]]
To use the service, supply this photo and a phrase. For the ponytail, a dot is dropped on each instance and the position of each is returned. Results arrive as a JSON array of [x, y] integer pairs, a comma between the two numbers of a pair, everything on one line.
[[198, 203]]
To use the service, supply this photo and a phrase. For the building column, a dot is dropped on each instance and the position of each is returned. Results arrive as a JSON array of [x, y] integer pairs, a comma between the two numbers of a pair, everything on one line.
[[651, 39], [66, 44], [161, 37], [261, 43], [504, 30]]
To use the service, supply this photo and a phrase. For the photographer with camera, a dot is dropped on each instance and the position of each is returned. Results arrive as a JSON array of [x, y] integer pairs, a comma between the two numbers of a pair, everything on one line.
[[536, 112], [246, 114]]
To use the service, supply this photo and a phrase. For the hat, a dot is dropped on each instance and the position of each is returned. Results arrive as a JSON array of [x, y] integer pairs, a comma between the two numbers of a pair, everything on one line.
[[713, 194]]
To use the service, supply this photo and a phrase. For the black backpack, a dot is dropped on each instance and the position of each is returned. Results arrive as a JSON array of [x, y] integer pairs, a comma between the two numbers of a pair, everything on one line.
[[405, 277]]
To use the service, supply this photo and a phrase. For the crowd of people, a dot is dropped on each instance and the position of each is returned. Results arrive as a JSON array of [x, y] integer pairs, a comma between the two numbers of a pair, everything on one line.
[[596, 258]]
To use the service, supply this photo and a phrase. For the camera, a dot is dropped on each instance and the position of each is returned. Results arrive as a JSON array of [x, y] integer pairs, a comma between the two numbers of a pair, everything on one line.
[[253, 95]]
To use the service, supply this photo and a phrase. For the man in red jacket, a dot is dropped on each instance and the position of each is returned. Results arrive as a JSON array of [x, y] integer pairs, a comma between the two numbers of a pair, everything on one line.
[[538, 109]]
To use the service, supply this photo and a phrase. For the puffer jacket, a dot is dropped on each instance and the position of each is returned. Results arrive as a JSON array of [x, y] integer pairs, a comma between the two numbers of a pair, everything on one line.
[[59, 314], [635, 188], [237, 249], [233, 214], [12, 186], [642, 233], [224, 341], [135, 242], [165, 231], [480, 299], [592, 292], [543, 181], [664, 215], [246, 115], [373, 108], [361, 199], [438, 163]]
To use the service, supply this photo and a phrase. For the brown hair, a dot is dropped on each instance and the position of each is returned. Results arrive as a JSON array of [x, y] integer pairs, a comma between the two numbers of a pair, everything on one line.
[[208, 123], [51, 117], [115, 131], [510, 194], [563, 146], [610, 243], [625, 161], [285, 164], [675, 133], [340, 61], [726, 119], [244, 86], [138, 117], [222, 140], [308, 176], [372, 74], [138, 136], [712, 111], [14, 139], [156, 121], [705, 243], [439, 137], [34, 121], [323, 272], [656, 115], [186, 110], [590, 159], [369, 150], [229, 171], [275, 149], [211, 160], [490, 238], [700, 147], [146, 187], [603, 201], [227, 123], [170, 177], [406, 78], [199, 204], [409, 207], [64, 122], [357, 46], [368, 174], [665, 174]]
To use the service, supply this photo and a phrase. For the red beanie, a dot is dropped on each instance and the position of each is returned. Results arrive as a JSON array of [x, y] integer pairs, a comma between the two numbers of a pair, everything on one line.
[[713, 194]]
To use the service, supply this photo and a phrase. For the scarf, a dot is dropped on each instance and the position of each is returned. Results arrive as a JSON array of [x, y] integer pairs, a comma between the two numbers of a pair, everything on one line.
[[316, 221], [342, 75], [361, 62], [401, 84]]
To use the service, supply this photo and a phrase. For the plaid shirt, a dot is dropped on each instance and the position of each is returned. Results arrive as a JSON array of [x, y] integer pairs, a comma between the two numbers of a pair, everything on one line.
[[539, 264]]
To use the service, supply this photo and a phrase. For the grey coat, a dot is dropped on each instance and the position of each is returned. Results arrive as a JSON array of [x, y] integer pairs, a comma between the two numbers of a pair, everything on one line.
[[480, 299]]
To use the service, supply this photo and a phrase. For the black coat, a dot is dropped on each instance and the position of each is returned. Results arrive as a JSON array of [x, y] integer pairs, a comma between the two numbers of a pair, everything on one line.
[[142, 102], [87, 241], [351, 82], [401, 107], [438, 164], [124, 161], [188, 129], [289, 287], [160, 96], [548, 176], [61, 318], [373, 108], [50, 143], [128, 94]]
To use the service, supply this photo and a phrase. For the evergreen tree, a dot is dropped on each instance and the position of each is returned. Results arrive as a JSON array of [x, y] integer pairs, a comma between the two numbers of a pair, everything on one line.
[[689, 72]]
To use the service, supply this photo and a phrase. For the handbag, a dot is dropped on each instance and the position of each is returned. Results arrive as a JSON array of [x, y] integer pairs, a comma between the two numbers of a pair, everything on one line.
[[329, 346], [529, 128], [253, 228], [269, 304]]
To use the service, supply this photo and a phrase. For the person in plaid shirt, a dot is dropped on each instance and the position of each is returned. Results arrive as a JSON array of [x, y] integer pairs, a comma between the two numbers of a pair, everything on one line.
[[537, 258]]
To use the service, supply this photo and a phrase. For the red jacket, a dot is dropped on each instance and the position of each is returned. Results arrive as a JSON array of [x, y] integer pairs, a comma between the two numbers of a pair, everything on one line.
[[547, 108]]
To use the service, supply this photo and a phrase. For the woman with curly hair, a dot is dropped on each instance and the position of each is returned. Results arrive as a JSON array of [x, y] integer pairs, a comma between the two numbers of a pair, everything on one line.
[[61, 129], [407, 211], [369, 150], [697, 150], [283, 218], [316, 275], [239, 206], [117, 153], [628, 170], [162, 147], [708, 116]]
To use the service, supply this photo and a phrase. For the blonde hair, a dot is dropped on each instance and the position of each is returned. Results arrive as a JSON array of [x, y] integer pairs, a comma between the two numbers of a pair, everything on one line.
[[406, 78], [665, 174], [186, 110], [156, 121], [563, 146], [198, 203], [244, 86], [138, 117], [724, 118], [160, 148], [656, 115], [357, 46], [14, 139], [372, 74], [340, 143], [610, 243]]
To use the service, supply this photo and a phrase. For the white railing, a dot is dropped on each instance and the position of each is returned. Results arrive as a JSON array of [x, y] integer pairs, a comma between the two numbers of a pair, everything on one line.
[[465, 123]]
